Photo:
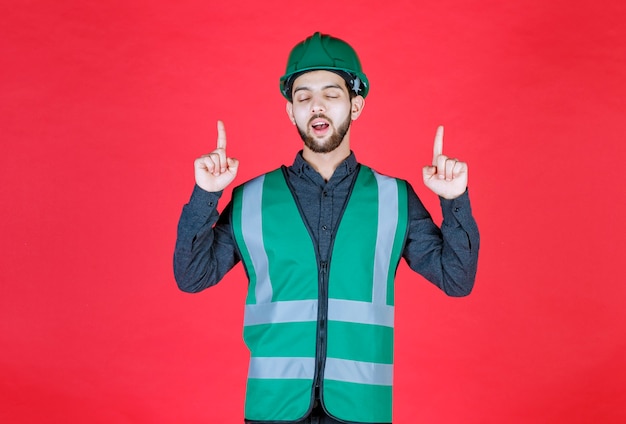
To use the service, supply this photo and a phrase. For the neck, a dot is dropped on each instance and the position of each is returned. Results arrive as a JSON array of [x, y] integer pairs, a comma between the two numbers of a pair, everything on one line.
[[326, 163]]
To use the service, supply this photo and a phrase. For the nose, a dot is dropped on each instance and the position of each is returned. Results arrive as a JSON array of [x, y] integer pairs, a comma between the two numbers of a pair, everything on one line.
[[318, 105]]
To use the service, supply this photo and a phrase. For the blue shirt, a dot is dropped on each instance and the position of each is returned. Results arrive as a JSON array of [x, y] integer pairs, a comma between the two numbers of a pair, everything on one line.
[[205, 249]]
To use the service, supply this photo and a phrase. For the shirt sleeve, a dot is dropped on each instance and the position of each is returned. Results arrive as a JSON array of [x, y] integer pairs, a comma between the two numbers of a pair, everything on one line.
[[205, 250], [446, 256]]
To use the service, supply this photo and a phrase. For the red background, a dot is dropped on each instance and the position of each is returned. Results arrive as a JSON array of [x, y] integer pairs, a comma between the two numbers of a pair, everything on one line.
[[104, 106]]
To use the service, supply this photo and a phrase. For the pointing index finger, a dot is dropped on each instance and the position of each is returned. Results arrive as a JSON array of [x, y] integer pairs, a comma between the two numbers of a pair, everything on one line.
[[438, 145], [221, 135]]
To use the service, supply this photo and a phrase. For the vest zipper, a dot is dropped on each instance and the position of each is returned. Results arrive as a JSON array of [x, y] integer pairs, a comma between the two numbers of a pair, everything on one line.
[[320, 356]]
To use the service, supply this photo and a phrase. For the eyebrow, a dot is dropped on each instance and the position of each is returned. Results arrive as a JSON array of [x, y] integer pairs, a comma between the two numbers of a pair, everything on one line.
[[326, 87]]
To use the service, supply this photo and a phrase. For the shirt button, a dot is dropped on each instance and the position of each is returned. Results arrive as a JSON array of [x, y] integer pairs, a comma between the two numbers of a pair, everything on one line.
[[324, 227], [325, 194], [457, 209]]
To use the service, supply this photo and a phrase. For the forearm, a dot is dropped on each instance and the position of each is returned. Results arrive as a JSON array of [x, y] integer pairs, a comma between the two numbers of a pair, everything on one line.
[[205, 250], [448, 256], [461, 242]]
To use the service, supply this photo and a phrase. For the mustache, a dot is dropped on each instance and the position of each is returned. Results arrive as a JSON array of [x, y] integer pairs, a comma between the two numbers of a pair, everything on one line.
[[318, 116]]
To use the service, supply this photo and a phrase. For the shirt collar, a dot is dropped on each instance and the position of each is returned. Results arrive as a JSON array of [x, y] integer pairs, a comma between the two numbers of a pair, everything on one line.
[[346, 167]]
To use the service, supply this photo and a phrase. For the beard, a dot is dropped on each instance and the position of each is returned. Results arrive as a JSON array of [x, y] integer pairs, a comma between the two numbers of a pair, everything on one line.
[[332, 142]]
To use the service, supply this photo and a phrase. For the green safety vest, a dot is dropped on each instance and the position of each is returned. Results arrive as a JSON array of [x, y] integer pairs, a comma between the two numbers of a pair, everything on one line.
[[307, 320]]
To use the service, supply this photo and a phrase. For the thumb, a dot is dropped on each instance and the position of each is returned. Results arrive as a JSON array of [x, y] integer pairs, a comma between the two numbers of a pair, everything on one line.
[[233, 165], [429, 171]]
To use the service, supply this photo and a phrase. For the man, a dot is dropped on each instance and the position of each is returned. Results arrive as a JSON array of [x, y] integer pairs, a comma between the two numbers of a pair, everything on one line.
[[320, 241]]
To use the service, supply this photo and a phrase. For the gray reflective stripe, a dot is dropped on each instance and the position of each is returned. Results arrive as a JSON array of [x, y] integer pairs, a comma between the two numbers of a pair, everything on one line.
[[360, 312], [252, 232], [358, 372], [387, 224], [288, 368], [276, 312], [306, 310]]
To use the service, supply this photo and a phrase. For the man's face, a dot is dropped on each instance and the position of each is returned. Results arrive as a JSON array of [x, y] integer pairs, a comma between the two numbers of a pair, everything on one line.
[[322, 110]]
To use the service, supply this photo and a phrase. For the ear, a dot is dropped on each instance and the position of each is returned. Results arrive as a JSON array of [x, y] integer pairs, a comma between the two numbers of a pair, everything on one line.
[[289, 109], [358, 103]]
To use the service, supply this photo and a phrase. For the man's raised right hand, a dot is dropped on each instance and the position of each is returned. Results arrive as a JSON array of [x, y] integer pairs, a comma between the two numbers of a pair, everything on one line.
[[215, 171]]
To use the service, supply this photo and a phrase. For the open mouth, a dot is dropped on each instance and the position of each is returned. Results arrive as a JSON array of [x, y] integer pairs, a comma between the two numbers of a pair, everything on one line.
[[319, 126]]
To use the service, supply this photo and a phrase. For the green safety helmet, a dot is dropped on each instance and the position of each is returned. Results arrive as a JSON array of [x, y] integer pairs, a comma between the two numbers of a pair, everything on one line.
[[323, 52]]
